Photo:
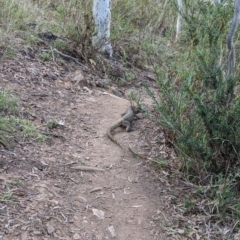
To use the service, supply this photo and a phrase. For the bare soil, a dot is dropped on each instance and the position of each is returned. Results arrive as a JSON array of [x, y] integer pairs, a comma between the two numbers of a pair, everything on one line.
[[45, 191]]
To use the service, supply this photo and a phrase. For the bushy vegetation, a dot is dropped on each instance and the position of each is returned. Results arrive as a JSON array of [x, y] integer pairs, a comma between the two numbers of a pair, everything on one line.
[[199, 106], [197, 102]]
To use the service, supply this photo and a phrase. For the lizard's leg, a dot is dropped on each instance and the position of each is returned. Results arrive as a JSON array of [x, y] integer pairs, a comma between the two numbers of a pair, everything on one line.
[[124, 113], [127, 125]]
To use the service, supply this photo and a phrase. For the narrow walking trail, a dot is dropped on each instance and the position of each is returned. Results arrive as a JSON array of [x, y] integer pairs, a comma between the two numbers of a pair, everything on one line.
[[53, 197]]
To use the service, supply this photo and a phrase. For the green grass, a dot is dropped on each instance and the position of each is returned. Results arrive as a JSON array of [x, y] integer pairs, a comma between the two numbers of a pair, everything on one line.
[[28, 130], [11, 126], [45, 57], [8, 101], [6, 197], [52, 124]]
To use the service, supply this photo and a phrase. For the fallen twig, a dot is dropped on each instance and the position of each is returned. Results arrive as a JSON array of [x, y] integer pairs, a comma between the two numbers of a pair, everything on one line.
[[53, 134], [106, 93], [83, 168], [66, 56], [96, 189]]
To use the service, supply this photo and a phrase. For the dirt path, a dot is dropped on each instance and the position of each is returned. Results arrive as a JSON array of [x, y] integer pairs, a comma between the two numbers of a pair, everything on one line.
[[54, 200]]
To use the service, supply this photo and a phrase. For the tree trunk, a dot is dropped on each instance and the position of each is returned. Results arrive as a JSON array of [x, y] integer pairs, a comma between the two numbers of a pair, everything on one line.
[[230, 37], [179, 18], [102, 19]]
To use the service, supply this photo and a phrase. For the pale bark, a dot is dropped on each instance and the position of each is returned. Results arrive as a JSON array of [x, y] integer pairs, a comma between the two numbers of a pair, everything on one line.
[[179, 17], [230, 37], [102, 19]]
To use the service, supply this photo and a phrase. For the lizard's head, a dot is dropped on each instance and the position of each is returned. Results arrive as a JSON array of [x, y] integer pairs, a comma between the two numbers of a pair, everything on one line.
[[136, 109]]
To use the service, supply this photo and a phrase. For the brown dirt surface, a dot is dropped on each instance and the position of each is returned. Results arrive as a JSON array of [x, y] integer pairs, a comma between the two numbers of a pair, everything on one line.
[[47, 190]]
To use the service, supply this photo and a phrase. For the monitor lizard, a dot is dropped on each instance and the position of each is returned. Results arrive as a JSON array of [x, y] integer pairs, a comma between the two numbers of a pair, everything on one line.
[[125, 121]]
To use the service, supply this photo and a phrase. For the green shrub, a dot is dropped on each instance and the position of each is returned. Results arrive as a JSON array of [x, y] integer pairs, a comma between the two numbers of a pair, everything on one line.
[[199, 108]]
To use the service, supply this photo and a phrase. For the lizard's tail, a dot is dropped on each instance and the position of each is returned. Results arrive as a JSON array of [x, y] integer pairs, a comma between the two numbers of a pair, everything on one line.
[[113, 139]]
